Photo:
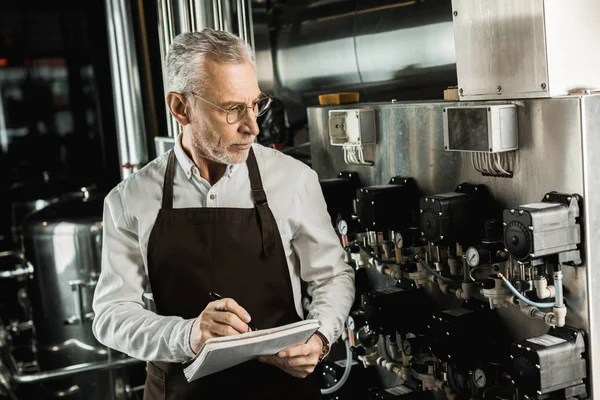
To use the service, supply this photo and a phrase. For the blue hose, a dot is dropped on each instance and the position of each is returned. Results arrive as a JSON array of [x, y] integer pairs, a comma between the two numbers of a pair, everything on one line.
[[525, 299]]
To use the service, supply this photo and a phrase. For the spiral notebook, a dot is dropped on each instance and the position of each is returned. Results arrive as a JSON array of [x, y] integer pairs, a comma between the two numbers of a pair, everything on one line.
[[225, 352]]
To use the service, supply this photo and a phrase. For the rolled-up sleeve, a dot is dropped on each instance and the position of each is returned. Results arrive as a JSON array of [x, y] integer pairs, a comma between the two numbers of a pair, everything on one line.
[[121, 320], [330, 280]]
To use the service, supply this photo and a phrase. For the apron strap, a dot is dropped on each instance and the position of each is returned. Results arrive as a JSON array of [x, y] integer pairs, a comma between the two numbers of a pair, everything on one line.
[[167, 197], [260, 202]]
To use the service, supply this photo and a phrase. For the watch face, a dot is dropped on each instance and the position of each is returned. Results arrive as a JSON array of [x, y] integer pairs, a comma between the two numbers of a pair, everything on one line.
[[472, 257], [343, 227], [479, 378], [398, 240]]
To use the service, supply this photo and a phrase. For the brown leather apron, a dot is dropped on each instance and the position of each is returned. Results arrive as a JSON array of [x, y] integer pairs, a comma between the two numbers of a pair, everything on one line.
[[238, 253]]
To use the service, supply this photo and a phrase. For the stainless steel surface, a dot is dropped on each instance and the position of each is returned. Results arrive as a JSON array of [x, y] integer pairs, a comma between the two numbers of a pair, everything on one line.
[[410, 143], [63, 248], [590, 115], [74, 370], [525, 48], [383, 50], [125, 72], [63, 243]]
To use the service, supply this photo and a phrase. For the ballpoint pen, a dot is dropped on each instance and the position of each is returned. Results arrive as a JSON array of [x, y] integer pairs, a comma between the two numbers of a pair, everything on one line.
[[216, 296]]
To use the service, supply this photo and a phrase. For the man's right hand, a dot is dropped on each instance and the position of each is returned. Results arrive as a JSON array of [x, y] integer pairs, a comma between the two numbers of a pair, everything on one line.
[[220, 318]]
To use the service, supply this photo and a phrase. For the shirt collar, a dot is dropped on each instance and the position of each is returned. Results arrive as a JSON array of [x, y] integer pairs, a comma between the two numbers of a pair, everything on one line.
[[188, 165]]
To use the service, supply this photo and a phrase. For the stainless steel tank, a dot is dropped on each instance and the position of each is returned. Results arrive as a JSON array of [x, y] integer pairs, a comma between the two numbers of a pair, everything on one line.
[[63, 243], [383, 49]]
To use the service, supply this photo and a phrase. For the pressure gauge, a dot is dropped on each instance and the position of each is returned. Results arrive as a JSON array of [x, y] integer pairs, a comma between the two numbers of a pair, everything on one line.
[[479, 378], [473, 258], [407, 347], [342, 227], [398, 240]]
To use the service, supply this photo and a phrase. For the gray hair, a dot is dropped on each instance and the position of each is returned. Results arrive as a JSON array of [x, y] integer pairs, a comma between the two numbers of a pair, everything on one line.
[[188, 51]]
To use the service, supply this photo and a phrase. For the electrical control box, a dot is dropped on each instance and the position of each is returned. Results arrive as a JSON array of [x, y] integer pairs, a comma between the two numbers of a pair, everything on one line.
[[481, 128], [355, 126]]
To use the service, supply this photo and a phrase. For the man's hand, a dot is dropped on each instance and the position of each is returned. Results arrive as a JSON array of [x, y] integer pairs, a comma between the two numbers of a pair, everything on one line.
[[220, 318], [299, 360]]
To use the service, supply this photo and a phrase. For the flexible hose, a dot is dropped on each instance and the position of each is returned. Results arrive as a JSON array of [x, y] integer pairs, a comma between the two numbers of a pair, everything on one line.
[[346, 374], [434, 272], [374, 256], [523, 298]]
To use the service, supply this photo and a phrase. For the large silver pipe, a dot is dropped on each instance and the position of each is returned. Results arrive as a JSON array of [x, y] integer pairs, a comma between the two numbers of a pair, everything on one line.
[[74, 370], [402, 50], [127, 92], [166, 34], [204, 14], [181, 12], [245, 26]]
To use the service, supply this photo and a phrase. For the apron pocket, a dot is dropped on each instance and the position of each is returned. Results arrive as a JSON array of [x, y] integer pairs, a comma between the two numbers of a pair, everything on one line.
[[155, 388]]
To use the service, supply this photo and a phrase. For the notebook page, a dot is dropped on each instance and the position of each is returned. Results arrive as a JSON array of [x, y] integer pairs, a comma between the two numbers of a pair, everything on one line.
[[216, 357]]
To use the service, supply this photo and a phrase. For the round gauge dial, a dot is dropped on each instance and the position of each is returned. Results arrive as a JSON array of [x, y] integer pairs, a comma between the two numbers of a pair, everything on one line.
[[473, 257], [407, 347], [398, 240], [479, 378], [342, 227]]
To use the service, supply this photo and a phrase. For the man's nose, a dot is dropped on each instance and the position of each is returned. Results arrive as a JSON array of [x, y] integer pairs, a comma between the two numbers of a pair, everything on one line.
[[248, 124]]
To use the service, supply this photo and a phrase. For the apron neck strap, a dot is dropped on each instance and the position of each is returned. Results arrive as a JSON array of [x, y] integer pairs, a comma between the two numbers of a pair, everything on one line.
[[167, 197], [262, 207], [258, 193]]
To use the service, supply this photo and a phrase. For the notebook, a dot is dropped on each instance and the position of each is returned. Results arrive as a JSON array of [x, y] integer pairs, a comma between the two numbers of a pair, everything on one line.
[[225, 352]]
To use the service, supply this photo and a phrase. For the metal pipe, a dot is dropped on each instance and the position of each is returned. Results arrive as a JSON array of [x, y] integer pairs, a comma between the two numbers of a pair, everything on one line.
[[74, 370], [558, 288], [226, 15], [182, 16], [165, 38], [219, 22], [129, 112], [245, 26], [18, 272], [130, 390]]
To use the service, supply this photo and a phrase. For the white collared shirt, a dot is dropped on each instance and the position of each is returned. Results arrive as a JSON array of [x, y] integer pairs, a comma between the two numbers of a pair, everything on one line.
[[312, 249]]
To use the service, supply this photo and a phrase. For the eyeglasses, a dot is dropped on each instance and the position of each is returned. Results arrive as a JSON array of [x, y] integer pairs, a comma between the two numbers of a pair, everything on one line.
[[236, 112]]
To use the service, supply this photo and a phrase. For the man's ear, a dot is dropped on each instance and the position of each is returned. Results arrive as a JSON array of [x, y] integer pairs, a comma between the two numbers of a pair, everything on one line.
[[177, 107]]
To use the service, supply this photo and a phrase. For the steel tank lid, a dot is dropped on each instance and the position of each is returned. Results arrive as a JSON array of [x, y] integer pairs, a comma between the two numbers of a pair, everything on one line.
[[68, 213], [46, 189]]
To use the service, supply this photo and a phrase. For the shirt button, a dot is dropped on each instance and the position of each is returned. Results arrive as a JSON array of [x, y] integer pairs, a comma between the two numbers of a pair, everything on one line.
[[195, 171], [212, 196]]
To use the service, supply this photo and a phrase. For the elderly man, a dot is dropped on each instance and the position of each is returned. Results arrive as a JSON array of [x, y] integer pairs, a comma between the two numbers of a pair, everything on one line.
[[219, 214]]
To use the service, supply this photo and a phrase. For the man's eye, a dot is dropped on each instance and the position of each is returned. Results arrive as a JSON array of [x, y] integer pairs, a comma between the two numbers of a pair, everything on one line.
[[238, 108]]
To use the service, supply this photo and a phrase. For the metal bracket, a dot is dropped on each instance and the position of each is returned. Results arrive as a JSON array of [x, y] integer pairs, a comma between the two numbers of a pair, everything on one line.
[[77, 289]]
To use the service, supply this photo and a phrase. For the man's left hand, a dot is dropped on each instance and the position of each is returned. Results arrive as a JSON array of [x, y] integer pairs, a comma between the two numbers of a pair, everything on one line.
[[299, 360]]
